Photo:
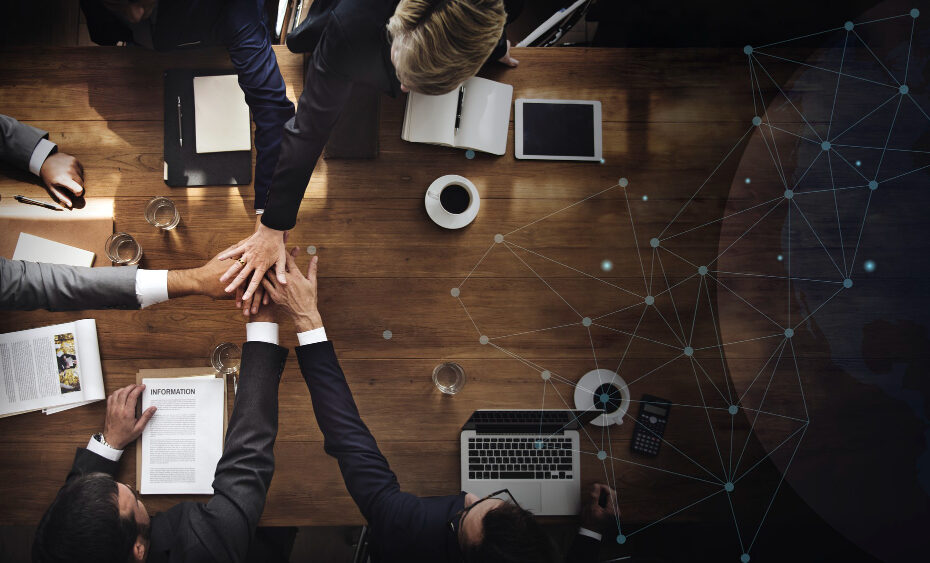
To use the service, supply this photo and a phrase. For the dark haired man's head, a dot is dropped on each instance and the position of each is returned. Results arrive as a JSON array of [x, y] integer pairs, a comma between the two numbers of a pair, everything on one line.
[[93, 519], [495, 531]]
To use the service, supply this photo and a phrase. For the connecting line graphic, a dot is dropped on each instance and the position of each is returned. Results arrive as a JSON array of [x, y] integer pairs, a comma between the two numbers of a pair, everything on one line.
[[654, 312]]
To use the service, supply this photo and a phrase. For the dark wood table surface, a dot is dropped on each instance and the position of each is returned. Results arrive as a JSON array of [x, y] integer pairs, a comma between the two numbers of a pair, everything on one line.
[[669, 117]]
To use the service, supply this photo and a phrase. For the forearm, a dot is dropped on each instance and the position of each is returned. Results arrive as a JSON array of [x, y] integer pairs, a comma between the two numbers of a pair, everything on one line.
[[304, 137], [183, 283], [55, 287]]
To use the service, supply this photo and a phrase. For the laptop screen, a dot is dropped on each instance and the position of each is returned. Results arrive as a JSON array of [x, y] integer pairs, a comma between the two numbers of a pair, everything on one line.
[[529, 421]]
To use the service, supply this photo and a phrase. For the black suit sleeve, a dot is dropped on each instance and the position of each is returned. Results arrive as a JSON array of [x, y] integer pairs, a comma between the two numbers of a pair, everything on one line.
[[225, 525], [403, 526], [86, 461], [584, 549]]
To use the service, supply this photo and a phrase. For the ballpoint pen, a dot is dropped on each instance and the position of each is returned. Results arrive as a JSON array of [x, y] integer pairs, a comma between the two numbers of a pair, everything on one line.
[[24, 199], [180, 132], [458, 107]]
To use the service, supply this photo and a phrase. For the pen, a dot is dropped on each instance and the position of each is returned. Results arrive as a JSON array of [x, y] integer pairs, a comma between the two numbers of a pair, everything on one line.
[[458, 107], [24, 199], [180, 133]]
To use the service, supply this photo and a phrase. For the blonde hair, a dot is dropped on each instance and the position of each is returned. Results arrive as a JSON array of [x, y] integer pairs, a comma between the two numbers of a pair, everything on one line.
[[439, 44]]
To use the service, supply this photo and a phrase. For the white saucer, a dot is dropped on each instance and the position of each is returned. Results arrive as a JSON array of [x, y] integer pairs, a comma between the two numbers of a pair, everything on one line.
[[584, 395], [442, 217]]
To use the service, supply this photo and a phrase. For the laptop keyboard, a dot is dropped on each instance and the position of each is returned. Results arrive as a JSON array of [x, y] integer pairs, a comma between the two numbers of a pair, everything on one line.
[[518, 457]]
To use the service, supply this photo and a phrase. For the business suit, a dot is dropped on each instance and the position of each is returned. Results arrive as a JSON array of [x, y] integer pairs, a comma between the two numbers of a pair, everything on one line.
[[404, 527], [350, 46], [236, 24], [222, 529], [25, 286], [18, 141]]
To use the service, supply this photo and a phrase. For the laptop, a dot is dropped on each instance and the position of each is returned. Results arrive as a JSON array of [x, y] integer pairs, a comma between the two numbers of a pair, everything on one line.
[[533, 453]]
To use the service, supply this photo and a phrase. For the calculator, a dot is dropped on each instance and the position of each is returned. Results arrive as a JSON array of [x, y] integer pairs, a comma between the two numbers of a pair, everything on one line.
[[650, 425]]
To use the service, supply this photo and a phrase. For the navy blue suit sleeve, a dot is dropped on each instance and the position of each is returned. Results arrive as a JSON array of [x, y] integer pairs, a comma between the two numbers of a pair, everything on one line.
[[401, 523], [249, 46]]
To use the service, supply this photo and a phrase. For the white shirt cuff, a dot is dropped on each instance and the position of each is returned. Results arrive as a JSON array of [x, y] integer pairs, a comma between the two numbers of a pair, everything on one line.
[[311, 336], [259, 211], [262, 332], [151, 286], [39, 154], [104, 451], [586, 532]]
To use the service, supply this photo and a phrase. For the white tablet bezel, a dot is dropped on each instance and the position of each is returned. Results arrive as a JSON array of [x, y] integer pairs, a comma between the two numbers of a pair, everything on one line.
[[518, 130]]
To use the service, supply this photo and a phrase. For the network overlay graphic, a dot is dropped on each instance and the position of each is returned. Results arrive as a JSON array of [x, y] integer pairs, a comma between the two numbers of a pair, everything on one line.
[[819, 154]]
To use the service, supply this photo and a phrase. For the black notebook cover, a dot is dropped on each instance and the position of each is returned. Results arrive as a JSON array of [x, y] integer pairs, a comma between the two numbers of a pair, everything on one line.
[[185, 167]]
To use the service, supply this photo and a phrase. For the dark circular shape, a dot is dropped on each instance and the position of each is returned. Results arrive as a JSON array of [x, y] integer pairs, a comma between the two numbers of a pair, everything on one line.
[[613, 395]]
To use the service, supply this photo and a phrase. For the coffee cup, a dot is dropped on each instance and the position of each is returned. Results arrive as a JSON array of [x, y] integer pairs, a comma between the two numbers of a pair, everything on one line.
[[452, 201]]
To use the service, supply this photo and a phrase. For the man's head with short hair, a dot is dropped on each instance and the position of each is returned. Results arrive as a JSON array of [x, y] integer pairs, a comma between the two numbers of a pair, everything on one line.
[[93, 519], [436, 45], [495, 531]]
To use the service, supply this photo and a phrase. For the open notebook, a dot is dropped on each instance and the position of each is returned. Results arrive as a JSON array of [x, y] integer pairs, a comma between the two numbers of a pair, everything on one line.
[[485, 117]]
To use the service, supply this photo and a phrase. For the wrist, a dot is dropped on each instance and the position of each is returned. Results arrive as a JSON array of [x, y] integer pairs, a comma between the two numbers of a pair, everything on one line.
[[182, 283], [308, 321], [110, 442]]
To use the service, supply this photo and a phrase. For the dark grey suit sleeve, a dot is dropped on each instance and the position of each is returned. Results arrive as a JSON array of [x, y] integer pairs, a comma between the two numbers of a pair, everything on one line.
[[17, 141], [25, 286]]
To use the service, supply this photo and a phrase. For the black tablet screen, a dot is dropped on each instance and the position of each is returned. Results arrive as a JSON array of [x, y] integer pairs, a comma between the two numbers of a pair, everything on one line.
[[558, 129]]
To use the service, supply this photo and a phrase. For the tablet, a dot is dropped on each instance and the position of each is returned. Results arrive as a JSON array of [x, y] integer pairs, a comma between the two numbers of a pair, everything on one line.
[[557, 129]]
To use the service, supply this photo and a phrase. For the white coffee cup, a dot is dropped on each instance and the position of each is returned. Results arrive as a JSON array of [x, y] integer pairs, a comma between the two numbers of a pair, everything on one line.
[[449, 210]]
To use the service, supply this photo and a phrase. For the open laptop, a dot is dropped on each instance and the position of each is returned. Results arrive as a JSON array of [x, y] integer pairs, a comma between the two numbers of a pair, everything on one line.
[[533, 453]]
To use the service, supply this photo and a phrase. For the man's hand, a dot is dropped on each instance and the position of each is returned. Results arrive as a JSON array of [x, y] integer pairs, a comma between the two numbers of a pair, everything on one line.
[[63, 176], [595, 517], [299, 296], [507, 59], [122, 427], [254, 256]]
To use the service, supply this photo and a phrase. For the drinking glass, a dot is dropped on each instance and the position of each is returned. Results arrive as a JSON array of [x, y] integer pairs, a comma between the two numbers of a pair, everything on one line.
[[121, 248], [226, 357], [162, 213], [449, 378]]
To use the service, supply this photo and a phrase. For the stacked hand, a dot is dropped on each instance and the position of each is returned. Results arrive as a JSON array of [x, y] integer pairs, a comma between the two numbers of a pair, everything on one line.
[[63, 176], [254, 257], [596, 517], [299, 295], [122, 427]]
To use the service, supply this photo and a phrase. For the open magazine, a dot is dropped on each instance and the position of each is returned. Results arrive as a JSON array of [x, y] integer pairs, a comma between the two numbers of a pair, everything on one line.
[[52, 368]]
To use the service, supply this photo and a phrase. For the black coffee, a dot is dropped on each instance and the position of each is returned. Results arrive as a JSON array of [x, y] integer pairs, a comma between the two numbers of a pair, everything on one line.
[[455, 198]]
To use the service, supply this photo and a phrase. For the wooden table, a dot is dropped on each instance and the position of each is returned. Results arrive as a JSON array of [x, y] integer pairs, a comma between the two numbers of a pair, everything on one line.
[[669, 118]]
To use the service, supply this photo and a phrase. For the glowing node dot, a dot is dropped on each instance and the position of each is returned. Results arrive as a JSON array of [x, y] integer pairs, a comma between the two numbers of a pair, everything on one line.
[[869, 266], [789, 332], [545, 375], [603, 161], [915, 12], [789, 194], [873, 185], [602, 455], [903, 89], [311, 250], [624, 182], [484, 339], [689, 351], [848, 26], [847, 283], [654, 242], [387, 335], [757, 121], [603, 398], [621, 539], [455, 292], [649, 300], [645, 198], [825, 145], [498, 238], [586, 321], [744, 558], [858, 163], [728, 487], [747, 49], [538, 444], [469, 154], [607, 265], [702, 270], [779, 257], [748, 180], [733, 409]]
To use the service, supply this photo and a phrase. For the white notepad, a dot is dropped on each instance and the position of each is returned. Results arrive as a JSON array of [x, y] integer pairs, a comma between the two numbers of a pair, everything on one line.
[[221, 116], [31, 248]]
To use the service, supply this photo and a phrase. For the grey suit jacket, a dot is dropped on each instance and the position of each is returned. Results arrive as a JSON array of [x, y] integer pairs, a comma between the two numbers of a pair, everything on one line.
[[17, 141], [26, 286]]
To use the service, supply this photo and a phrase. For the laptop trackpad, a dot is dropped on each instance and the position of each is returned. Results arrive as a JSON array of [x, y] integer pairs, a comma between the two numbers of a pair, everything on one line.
[[528, 495]]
